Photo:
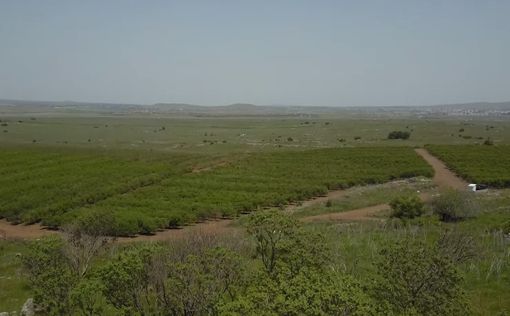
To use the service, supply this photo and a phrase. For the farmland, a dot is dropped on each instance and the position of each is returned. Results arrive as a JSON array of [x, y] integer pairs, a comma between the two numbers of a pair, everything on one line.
[[144, 196], [47, 183], [479, 164]]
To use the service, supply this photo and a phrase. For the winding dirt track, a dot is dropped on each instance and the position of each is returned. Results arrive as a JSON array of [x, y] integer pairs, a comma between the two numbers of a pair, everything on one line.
[[443, 178]]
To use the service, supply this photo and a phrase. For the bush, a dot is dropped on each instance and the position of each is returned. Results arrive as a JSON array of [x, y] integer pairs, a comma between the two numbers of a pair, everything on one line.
[[407, 207], [453, 205], [505, 227], [399, 135], [416, 278]]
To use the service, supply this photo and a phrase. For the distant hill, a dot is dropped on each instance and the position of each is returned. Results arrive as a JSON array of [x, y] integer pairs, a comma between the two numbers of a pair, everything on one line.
[[499, 109]]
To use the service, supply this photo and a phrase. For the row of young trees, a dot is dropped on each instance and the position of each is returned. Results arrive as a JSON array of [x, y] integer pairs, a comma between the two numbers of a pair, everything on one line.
[[283, 269]]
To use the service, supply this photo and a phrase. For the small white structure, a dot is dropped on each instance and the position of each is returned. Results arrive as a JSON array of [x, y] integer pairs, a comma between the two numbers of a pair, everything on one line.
[[477, 187]]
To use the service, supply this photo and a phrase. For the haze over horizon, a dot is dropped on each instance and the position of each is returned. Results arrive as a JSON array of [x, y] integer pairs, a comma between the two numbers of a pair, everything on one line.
[[323, 53]]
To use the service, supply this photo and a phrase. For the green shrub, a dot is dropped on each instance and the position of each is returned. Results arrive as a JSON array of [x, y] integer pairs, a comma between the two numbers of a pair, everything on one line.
[[407, 207], [416, 278], [399, 135], [453, 205], [505, 227]]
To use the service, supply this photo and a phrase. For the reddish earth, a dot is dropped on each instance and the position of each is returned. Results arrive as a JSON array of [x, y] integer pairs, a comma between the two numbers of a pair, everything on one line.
[[364, 213], [211, 228], [8, 230], [443, 178], [331, 195]]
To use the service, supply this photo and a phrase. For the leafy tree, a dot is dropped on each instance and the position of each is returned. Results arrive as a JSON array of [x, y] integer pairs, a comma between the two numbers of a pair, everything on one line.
[[269, 230], [87, 299], [126, 280], [296, 278], [417, 278], [195, 286], [308, 293], [50, 275], [82, 244]]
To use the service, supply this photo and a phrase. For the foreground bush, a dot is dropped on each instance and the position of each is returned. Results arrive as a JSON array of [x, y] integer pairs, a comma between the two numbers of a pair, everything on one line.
[[417, 278], [287, 270]]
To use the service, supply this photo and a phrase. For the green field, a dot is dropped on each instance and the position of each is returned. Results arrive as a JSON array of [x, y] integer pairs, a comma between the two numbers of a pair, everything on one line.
[[223, 134], [479, 164], [144, 195]]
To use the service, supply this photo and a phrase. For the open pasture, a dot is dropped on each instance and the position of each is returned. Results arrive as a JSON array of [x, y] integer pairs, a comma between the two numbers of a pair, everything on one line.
[[239, 134], [476, 163]]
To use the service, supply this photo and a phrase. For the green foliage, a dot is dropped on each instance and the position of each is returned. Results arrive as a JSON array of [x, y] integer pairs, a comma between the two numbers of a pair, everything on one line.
[[50, 276], [416, 278], [196, 285], [399, 135], [407, 207], [310, 293], [296, 278], [259, 181], [478, 164], [87, 299], [141, 196], [126, 282], [270, 229], [55, 182], [453, 205]]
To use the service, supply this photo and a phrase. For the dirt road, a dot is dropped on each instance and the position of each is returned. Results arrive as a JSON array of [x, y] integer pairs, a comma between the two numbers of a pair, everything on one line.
[[211, 227], [443, 177], [7, 230]]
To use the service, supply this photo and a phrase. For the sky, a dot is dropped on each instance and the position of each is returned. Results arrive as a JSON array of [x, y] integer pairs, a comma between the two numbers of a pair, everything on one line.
[[274, 52]]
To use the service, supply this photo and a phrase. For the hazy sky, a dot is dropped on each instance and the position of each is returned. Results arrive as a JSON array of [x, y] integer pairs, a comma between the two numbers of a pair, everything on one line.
[[312, 52]]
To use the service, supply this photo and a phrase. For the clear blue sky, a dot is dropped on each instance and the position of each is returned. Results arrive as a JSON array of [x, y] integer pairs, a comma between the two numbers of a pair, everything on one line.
[[333, 53]]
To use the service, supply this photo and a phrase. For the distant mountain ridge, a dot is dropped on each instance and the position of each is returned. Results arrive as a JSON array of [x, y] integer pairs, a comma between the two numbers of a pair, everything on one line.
[[247, 109]]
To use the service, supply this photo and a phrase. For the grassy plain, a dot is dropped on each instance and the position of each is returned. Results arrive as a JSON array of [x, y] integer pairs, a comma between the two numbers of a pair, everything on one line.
[[227, 135]]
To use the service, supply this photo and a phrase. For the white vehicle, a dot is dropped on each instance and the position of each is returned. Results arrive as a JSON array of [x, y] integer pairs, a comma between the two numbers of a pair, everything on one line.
[[477, 187]]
